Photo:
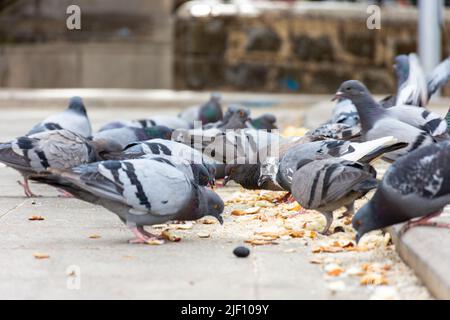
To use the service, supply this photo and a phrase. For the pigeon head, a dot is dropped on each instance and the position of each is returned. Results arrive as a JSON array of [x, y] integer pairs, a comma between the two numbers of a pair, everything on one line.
[[247, 175], [76, 104], [401, 67], [202, 175], [103, 147], [352, 90], [377, 214], [363, 221], [265, 122], [210, 204], [211, 111], [161, 132]]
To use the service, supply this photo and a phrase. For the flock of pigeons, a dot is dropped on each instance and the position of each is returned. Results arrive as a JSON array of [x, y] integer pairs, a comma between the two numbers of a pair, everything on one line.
[[163, 168]]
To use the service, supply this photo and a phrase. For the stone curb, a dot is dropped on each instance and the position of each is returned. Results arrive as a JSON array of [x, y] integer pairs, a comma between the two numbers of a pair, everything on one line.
[[431, 266]]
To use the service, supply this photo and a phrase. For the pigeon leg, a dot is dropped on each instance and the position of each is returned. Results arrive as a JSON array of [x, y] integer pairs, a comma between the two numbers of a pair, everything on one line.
[[142, 236], [287, 198], [329, 217], [299, 212], [26, 188], [350, 210], [64, 194], [424, 221], [148, 234]]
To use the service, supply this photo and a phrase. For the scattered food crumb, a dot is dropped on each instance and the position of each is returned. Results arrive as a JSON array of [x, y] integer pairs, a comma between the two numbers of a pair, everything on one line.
[[36, 218], [203, 234], [39, 255]]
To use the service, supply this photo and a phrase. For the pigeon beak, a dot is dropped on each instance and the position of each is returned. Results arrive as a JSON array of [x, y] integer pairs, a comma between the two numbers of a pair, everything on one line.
[[337, 96], [357, 238], [226, 180], [220, 219], [262, 180]]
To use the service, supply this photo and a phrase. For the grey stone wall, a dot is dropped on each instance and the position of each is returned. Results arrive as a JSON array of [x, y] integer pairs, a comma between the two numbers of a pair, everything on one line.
[[293, 48], [122, 44]]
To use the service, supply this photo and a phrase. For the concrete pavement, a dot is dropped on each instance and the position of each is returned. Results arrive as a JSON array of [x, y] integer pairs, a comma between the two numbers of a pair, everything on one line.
[[89, 244]]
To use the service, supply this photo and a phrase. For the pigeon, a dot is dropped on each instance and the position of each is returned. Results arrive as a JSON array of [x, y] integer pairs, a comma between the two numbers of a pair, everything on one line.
[[265, 122], [235, 118], [338, 131], [209, 112], [31, 155], [329, 184], [74, 118], [163, 148], [140, 192], [345, 112], [167, 121], [162, 121], [377, 122], [343, 125], [280, 171], [413, 87], [413, 90], [438, 77], [415, 186], [126, 135], [226, 147], [248, 174]]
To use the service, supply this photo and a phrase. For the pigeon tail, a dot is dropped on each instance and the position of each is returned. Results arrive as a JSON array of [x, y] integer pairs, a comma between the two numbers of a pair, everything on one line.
[[10, 158]]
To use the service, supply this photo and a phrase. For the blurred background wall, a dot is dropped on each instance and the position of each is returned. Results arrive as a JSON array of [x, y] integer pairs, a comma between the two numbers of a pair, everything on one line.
[[275, 46], [122, 44]]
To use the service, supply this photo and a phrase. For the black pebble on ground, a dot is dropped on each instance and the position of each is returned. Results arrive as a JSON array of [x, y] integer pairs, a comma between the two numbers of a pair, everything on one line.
[[241, 252]]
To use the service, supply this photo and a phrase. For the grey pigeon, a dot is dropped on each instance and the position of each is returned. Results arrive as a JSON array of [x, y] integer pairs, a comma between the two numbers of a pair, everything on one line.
[[377, 122], [235, 118], [265, 122], [163, 148], [413, 87], [280, 171], [415, 186], [413, 91], [438, 77], [167, 121], [345, 112], [141, 192], [339, 131], [74, 118], [209, 112], [31, 155], [163, 121], [329, 184], [248, 175], [343, 125], [126, 135]]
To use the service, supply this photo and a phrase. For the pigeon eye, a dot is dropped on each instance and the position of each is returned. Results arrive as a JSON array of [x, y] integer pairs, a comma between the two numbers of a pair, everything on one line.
[[215, 206]]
